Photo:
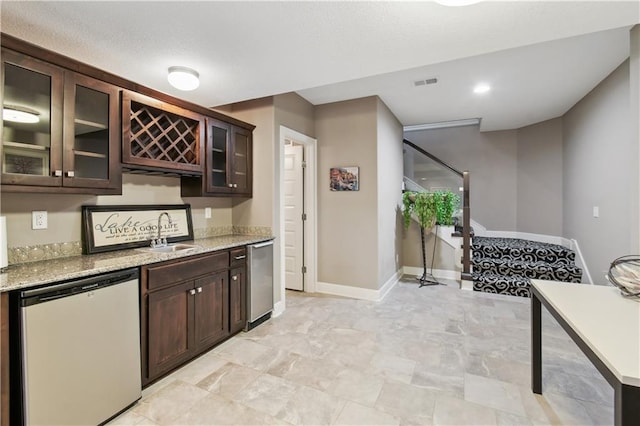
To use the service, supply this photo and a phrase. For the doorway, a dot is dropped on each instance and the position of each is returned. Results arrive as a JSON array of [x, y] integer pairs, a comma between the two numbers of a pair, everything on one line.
[[297, 201], [294, 216]]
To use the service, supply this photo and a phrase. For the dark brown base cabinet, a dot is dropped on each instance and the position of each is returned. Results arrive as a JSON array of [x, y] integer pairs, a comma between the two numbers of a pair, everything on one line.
[[238, 299], [188, 306]]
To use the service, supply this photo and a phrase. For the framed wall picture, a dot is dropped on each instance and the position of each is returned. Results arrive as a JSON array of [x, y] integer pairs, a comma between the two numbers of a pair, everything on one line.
[[107, 228], [344, 178]]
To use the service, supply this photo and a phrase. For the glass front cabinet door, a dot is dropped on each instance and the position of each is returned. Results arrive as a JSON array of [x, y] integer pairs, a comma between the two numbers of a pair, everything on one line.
[[242, 161], [229, 159], [91, 133], [218, 179], [59, 129], [31, 121]]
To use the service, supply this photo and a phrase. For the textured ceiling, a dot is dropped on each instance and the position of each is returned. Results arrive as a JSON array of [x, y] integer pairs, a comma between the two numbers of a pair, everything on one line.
[[246, 50]]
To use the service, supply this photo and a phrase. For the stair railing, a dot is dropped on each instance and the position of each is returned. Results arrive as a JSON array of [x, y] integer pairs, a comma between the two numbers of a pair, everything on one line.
[[466, 207]]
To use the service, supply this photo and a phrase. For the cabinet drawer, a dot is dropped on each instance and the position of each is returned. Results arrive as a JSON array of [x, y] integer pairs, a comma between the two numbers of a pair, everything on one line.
[[160, 276], [238, 256]]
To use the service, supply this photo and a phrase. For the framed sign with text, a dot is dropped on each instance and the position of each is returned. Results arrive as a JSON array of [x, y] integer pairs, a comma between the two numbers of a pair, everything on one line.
[[107, 228]]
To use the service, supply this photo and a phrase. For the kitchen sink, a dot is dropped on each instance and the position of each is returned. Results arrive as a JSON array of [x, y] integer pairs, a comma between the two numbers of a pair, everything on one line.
[[170, 248]]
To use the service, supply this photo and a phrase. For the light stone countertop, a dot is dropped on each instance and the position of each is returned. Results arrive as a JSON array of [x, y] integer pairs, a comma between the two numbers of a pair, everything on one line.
[[33, 274]]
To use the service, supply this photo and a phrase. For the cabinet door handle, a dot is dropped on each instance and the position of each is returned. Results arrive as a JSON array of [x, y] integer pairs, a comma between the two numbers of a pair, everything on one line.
[[235, 185], [199, 289], [192, 292], [230, 185], [57, 173], [235, 278], [71, 173], [240, 257]]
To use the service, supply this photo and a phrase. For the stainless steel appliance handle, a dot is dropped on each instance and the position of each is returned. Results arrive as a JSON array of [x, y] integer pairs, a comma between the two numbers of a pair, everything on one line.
[[265, 244], [75, 286]]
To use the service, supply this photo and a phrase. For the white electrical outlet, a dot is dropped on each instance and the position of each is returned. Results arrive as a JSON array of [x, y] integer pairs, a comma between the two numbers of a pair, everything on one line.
[[39, 220], [207, 212]]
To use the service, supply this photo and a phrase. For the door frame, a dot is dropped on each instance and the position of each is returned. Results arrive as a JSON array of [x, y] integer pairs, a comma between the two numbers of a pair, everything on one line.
[[310, 207], [299, 205]]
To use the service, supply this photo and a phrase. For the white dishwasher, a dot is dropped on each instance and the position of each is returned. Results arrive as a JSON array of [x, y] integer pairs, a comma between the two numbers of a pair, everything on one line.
[[81, 349]]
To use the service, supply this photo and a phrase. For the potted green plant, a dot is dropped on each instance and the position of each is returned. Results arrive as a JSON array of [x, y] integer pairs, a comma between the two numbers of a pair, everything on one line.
[[430, 209]]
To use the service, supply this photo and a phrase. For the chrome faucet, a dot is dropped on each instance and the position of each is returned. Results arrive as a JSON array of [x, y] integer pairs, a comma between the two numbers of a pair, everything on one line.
[[159, 241]]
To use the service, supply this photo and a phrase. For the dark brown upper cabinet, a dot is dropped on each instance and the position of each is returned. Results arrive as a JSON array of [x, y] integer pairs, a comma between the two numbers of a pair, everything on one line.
[[92, 125], [159, 136], [72, 144], [228, 163]]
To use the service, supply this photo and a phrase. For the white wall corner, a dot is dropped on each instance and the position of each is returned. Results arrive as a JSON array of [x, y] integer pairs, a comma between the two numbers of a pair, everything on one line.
[[278, 308], [580, 262], [478, 229]]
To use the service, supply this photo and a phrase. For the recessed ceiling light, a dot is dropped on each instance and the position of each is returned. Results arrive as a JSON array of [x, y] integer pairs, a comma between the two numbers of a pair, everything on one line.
[[481, 88], [19, 114], [183, 78]]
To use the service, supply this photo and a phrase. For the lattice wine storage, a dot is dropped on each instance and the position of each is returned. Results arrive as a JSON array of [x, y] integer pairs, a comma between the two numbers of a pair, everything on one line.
[[161, 136]]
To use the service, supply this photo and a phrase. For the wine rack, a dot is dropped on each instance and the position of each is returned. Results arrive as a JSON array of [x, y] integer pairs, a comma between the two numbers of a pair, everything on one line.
[[157, 135]]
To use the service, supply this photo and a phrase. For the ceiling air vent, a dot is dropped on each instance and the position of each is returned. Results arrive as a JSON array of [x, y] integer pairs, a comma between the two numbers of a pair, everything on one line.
[[425, 82]]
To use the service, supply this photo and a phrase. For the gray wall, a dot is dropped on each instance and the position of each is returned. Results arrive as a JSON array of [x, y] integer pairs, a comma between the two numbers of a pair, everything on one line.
[[389, 151], [601, 169], [634, 77], [491, 159], [258, 210], [268, 114], [294, 112], [539, 168], [412, 253], [348, 221], [65, 210]]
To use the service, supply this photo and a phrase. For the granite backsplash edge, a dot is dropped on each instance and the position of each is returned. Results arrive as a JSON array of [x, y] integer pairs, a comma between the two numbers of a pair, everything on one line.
[[36, 253]]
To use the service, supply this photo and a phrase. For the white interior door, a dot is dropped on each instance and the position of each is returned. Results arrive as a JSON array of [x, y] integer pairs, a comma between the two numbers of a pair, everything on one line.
[[293, 223]]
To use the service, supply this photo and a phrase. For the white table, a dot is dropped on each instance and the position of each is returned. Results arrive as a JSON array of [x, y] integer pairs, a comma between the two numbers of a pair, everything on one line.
[[605, 326]]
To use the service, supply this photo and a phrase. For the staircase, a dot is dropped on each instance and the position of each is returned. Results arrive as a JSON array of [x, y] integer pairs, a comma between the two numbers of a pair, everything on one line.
[[506, 265]]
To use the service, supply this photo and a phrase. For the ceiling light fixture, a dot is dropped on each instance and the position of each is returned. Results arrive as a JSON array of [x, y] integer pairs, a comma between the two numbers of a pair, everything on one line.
[[442, 125], [18, 114], [183, 78], [481, 88], [455, 3]]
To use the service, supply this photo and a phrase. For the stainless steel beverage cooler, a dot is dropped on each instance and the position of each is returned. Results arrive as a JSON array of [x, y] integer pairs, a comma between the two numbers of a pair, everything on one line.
[[259, 283]]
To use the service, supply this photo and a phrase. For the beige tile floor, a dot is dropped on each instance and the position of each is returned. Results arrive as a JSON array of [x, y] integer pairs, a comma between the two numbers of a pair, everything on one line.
[[422, 356]]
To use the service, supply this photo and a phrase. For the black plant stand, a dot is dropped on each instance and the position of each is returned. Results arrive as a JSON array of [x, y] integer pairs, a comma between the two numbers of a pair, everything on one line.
[[427, 278]]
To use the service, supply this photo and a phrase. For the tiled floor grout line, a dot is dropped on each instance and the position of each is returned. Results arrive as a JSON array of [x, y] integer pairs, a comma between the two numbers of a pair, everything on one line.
[[444, 356]]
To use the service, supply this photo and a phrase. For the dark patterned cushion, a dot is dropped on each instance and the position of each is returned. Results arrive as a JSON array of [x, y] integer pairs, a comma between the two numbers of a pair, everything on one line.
[[516, 248]]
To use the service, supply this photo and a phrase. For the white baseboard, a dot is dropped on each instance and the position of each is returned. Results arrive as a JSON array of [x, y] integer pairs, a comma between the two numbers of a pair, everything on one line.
[[586, 276], [359, 292], [278, 309], [541, 238], [478, 229], [466, 285], [437, 273]]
